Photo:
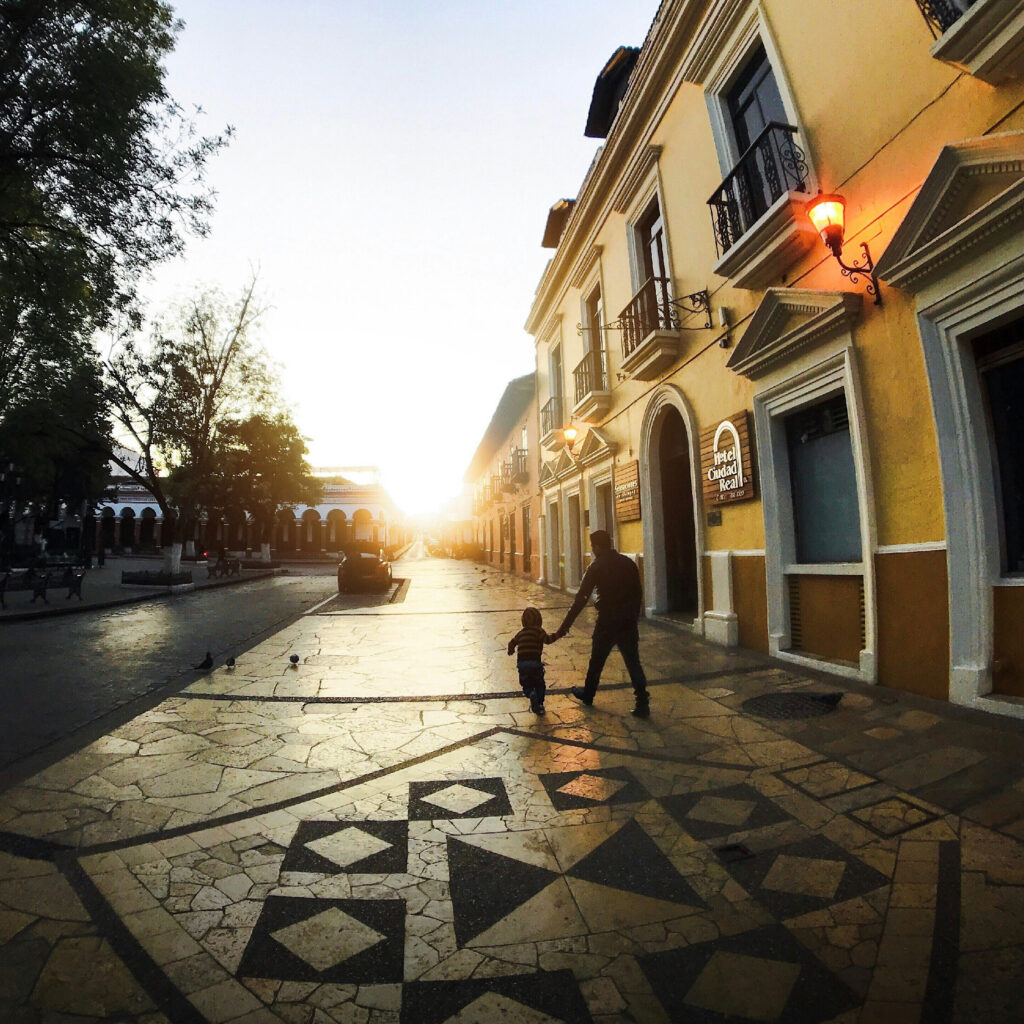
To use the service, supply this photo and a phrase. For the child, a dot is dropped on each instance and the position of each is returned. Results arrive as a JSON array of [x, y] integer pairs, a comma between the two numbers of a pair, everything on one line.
[[531, 640]]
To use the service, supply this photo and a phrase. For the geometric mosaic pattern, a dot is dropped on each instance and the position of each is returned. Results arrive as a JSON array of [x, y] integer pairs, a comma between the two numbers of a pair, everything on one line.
[[467, 798], [366, 847], [542, 998], [327, 940], [892, 817], [804, 876], [712, 814], [762, 975], [569, 790]]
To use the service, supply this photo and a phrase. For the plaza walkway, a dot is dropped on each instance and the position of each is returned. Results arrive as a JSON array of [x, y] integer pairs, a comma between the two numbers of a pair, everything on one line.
[[385, 833]]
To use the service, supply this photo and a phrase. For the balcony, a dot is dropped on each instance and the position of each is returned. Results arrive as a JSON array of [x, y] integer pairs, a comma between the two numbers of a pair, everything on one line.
[[942, 15], [593, 398], [507, 483], [518, 466], [650, 331], [496, 488], [758, 211], [985, 38], [552, 419]]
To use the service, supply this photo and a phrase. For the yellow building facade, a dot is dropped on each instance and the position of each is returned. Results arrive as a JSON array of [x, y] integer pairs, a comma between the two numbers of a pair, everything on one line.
[[822, 465]]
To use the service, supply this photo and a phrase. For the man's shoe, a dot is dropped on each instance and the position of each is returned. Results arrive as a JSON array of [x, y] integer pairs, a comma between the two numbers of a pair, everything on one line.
[[537, 707], [641, 709], [582, 696]]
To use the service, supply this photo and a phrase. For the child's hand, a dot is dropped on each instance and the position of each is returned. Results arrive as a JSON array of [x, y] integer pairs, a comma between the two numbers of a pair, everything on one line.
[[511, 647]]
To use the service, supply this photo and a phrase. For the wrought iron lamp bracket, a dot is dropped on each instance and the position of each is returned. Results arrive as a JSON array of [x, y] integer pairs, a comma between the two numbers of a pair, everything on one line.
[[695, 302], [866, 268]]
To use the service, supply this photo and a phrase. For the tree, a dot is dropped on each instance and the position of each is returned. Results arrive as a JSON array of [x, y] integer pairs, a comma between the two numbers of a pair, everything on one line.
[[264, 470], [173, 397], [101, 172]]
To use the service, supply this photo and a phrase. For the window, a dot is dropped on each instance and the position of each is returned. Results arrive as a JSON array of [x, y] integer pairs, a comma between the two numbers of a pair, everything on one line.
[[1001, 367], [593, 335], [524, 447], [754, 103], [826, 511], [527, 542]]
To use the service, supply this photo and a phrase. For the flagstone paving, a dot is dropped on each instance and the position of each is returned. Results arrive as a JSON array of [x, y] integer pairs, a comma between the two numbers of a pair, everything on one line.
[[386, 834]]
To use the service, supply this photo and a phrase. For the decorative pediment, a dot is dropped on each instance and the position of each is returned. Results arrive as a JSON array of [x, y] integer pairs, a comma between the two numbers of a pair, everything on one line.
[[787, 323], [973, 196], [565, 465], [547, 474], [596, 448]]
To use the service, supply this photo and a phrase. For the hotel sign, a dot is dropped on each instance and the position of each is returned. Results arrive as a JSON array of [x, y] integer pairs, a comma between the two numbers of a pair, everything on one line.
[[627, 492], [726, 467]]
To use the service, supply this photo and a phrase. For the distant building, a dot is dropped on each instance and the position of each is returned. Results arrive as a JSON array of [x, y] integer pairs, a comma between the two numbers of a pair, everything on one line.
[[503, 474], [354, 506]]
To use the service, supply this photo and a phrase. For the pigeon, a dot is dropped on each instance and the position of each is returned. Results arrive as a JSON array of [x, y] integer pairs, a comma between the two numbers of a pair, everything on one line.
[[230, 663], [294, 659], [206, 664]]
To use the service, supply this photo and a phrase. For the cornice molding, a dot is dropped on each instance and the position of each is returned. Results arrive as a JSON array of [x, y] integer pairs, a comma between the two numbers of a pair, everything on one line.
[[712, 41], [769, 340], [654, 81], [583, 267], [645, 161]]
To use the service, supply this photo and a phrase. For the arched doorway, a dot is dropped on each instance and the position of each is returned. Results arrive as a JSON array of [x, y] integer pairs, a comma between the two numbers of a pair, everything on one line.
[[671, 523], [127, 529], [362, 520], [311, 530], [285, 533], [677, 515], [147, 532], [335, 529]]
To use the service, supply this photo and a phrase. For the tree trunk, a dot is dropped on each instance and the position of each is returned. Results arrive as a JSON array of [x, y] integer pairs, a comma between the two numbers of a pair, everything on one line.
[[172, 558]]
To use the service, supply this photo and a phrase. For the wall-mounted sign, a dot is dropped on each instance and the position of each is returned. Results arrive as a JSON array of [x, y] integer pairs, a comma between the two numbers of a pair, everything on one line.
[[726, 466], [627, 492]]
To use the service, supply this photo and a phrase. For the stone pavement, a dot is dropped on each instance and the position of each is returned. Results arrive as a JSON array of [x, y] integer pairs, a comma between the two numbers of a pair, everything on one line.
[[385, 833]]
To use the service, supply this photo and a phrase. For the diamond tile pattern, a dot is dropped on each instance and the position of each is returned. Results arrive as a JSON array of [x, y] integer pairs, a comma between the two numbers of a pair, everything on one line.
[[760, 975], [302, 939], [458, 798], [363, 847], [569, 790], [714, 814]]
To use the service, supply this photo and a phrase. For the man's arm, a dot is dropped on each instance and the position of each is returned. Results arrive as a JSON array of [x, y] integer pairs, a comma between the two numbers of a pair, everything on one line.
[[587, 585]]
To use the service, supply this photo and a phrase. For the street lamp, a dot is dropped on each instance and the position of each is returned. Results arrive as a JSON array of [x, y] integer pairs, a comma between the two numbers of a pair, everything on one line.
[[828, 215], [569, 435]]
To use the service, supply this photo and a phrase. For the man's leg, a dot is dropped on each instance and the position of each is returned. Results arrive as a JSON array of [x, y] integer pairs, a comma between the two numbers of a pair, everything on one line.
[[629, 645], [600, 647]]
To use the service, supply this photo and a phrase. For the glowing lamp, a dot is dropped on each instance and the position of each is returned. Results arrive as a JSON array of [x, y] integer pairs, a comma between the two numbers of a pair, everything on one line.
[[828, 215], [570, 434]]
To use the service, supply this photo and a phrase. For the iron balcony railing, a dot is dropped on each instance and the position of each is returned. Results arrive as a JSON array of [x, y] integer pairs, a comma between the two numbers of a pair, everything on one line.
[[551, 417], [517, 464], [773, 164], [496, 487], [648, 311], [590, 375], [942, 15], [507, 483]]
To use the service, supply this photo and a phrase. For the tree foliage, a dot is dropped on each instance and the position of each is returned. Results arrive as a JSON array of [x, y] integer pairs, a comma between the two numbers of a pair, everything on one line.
[[198, 402], [101, 172], [263, 468]]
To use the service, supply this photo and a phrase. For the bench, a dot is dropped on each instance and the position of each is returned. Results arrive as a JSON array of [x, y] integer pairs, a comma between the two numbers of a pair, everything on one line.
[[224, 567], [39, 582]]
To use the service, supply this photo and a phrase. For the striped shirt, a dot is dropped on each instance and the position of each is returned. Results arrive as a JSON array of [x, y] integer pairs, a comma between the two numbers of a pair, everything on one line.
[[530, 641]]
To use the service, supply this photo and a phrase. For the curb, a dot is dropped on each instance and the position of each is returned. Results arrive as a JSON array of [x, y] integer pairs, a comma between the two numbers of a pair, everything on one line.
[[77, 609]]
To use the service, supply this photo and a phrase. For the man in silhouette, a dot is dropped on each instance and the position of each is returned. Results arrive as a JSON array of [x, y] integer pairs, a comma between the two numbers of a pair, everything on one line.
[[619, 596]]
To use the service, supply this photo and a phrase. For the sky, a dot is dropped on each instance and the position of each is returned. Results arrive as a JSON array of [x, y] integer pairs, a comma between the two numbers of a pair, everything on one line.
[[390, 175]]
